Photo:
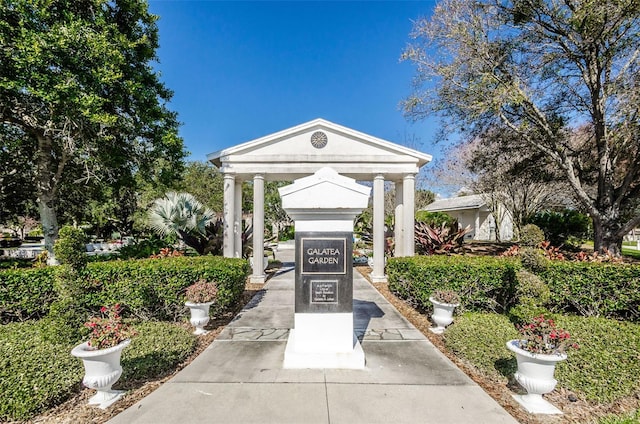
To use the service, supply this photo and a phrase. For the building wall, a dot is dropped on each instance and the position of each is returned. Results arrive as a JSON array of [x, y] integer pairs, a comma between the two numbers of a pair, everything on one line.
[[486, 230], [506, 229], [468, 217]]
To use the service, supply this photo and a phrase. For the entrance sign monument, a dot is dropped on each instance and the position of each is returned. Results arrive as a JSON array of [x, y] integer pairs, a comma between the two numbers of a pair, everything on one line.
[[323, 207]]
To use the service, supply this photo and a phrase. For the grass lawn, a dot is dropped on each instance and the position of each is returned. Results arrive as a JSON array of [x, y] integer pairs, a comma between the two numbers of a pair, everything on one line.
[[630, 252], [628, 249]]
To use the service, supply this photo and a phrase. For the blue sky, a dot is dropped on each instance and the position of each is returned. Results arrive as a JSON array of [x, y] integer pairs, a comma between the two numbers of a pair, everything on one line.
[[242, 70]]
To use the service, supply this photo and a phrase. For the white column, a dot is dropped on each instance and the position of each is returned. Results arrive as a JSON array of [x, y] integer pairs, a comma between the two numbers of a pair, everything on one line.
[[408, 197], [237, 224], [377, 274], [476, 223], [399, 221], [258, 229], [229, 215]]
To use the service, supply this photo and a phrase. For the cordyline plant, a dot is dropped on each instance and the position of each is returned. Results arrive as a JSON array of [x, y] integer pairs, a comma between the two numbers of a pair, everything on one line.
[[511, 251], [551, 252], [543, 337], [108, 330], [447, 238], [446, 296], [202, 291], [167, 252], [597, 257]]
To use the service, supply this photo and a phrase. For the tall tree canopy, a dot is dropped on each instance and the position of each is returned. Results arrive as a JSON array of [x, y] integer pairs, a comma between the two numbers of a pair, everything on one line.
[[77, 81], [16, 176], [509, 178], [562, 75], [205, 183]]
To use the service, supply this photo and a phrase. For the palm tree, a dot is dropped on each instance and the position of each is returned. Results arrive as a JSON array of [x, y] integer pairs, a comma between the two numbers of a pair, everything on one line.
[[181, 214]]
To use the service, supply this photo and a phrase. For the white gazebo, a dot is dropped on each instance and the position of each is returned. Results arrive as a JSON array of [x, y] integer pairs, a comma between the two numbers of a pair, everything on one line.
[[304, 149]]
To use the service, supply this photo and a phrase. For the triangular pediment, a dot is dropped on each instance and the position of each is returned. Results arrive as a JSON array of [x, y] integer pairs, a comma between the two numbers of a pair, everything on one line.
[[314, 144], [325, 189]]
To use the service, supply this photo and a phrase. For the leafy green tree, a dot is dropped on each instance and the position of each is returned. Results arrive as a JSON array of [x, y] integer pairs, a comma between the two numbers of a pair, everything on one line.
[[205, 183], [566, 226], [103, 211], [16, 175], [434, 219], [563, 76], [76, 79]]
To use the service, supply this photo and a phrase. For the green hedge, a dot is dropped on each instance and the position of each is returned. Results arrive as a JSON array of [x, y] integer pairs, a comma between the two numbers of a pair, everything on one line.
[[484, 283], [154, 288], [149, 288], [604, 369], [480, 338], [36, 374], [489, 283], [594, 289], [25, 293]]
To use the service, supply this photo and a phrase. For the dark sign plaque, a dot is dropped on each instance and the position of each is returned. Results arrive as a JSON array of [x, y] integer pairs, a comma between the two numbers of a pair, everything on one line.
[[324, 291], [324, 272], [324, 255]]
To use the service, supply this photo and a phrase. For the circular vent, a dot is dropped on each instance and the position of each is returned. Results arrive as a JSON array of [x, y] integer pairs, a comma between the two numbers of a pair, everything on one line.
[[318, 139]]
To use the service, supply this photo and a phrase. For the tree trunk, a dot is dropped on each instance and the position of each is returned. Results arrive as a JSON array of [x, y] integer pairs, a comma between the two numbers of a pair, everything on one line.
[[46, 184], [606, 237], [49, 222]]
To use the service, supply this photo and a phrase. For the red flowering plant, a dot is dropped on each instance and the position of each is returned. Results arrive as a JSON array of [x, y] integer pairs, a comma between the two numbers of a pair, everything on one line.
[[108, 330], [543, 337]]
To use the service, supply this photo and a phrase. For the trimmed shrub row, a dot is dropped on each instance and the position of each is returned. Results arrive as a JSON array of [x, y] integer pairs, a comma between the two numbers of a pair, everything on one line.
[[594, 289], [490, 284], [25, 293], [36, 374], [604, 369], [148, 288], [483, 283]]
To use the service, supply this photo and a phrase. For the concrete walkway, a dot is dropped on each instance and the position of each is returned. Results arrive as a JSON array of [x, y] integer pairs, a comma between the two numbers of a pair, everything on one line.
[[239, 378]]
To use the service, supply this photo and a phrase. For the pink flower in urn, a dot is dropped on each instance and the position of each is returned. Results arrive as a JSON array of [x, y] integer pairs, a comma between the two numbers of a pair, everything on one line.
[[108, 330], [542, 336]]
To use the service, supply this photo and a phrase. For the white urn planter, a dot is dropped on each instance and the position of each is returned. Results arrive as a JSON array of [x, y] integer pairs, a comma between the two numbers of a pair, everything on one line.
[[442, 315], [102, 369], [199, 316], [535, 374]]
